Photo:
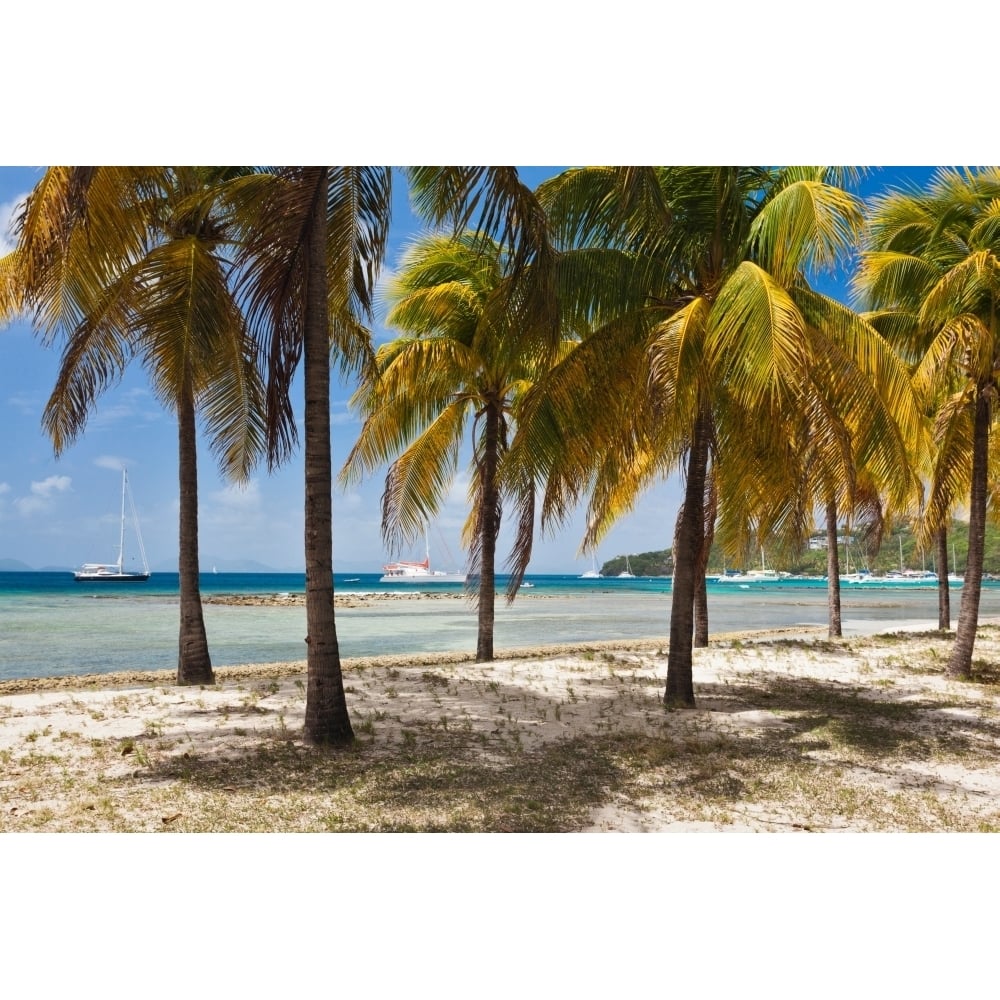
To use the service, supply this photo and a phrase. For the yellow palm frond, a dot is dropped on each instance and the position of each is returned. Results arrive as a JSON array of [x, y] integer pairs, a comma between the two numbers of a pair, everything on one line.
[[418, 480], [756, 337], [807, 225]]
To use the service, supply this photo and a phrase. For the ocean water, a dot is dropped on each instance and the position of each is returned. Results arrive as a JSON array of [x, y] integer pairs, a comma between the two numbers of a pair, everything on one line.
[[50, 625]]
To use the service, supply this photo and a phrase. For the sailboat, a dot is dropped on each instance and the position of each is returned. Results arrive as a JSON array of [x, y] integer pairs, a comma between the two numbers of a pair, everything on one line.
[[627, 571], [593, 573], [418, 572], [116, 572]]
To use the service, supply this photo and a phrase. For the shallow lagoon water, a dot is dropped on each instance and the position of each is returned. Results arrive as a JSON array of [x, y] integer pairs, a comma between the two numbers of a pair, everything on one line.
[[52, 626]]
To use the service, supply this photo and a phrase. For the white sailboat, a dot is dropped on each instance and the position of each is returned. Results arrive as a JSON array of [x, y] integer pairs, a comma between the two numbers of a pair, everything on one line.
[[418, 572], [627, 571], [593, 573], [762, 575], [116, 572]]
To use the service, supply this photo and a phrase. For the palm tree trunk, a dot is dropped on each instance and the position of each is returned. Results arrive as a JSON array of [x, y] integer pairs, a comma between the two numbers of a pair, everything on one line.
[[834, 630], [960, 664], [194, 665], [326, 720], [489, 528], [701, 612], [690, 538], [701, 588], [944, 593]]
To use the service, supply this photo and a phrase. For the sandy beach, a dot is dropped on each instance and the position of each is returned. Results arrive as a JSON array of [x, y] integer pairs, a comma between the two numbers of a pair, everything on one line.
[[792, 732]]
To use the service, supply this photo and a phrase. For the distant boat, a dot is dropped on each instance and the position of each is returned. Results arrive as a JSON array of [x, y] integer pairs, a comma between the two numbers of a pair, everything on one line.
[[591, 574], [418, 572], [909, 579], [627, 573], [758, 576], [115, 572], [752, 576]]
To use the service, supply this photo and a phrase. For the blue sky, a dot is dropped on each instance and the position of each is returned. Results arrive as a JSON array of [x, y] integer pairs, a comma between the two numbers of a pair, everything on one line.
[[63, 512]]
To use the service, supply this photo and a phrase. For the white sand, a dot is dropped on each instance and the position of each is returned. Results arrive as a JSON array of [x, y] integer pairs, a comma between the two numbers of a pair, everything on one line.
[[67, 739]]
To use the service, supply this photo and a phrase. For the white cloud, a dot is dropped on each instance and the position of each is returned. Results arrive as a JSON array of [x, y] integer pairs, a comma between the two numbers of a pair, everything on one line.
[[238, 498], [8, 212], [341, 415], [54, 484], [109, 462], [4, 488], [30, 404], [42, 492]]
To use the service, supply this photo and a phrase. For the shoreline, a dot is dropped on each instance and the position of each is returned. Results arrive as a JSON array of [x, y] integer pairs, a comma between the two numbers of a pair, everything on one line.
[[284, 668], [792, 732]]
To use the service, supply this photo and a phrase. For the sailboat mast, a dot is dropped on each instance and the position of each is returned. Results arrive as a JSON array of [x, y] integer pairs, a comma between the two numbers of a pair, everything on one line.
[[121, 539]]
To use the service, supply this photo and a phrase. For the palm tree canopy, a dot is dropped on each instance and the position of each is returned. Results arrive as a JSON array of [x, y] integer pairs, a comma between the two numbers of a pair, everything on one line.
[[133, 263], [459, 357]]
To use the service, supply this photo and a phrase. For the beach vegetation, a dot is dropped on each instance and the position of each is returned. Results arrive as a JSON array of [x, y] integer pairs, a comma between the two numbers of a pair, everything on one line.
[[311, 250], [930, 267], [702, 348], [464, 357], [123, 264]]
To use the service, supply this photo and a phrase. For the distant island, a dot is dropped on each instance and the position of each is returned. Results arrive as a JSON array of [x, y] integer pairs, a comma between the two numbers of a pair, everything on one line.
[[15, 566], [897, 546]]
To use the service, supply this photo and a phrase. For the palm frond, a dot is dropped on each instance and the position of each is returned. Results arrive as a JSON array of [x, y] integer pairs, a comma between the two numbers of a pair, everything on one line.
[[418, 481]]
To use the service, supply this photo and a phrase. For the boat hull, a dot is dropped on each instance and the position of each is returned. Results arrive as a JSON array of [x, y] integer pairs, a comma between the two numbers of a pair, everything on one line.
[[422, 579], [111, 577]]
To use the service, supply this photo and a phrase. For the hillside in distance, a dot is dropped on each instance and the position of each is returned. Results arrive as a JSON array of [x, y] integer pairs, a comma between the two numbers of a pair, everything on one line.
[[899, 548]]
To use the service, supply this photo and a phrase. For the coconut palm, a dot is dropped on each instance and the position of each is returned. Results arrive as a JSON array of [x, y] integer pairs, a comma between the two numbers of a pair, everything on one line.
[[462, 360], [933, 257], [310, 253], [127, 264], [725, 344]]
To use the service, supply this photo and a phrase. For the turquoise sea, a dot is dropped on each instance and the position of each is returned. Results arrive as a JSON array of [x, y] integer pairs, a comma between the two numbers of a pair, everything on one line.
[[50, 625]]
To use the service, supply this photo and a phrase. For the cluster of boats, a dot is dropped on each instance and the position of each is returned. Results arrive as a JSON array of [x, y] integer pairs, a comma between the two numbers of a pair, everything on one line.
[[414, 572], [863, 578]]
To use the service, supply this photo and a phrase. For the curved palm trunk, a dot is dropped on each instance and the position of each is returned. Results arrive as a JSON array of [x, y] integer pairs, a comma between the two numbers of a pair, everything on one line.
[[194, 665], [944, 593], [690, 539], [327, 720], [834, 629], [488, 529], [960, 664]]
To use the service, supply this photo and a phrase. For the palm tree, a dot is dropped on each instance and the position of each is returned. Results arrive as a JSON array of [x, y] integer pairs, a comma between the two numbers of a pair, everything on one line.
[[933, 258], [309, 258], [463, 360], [726, 340], [131, 263]]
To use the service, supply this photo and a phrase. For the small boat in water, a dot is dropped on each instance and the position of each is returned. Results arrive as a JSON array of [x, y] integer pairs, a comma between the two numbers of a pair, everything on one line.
[[751, 576], [418, 572], [116, 572], [909, 579]]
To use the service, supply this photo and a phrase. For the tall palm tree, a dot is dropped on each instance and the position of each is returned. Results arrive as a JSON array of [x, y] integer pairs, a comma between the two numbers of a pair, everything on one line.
[[933, 257], [726, 340], [131, 263], [309, 258], [462, 359]]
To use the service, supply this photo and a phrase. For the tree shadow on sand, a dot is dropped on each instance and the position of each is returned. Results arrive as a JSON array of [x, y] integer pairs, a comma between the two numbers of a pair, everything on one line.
[[781, 751]]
